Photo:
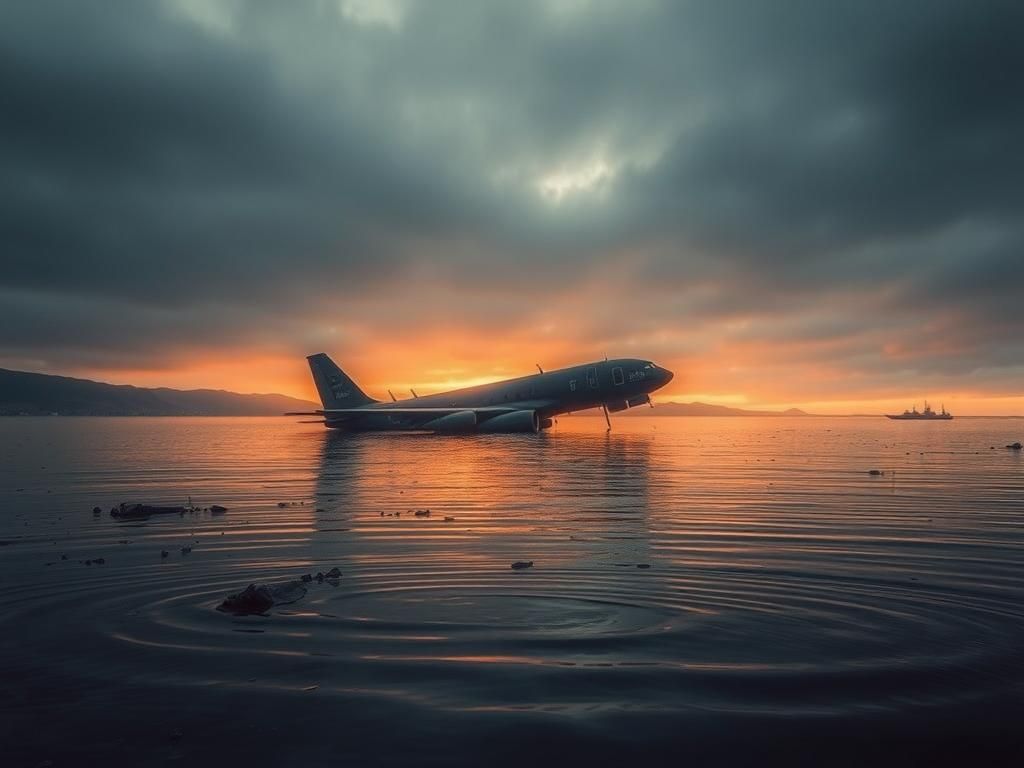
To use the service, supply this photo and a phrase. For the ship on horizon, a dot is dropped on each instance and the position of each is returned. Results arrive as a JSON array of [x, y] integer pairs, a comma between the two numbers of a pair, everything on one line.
[[926, 415]]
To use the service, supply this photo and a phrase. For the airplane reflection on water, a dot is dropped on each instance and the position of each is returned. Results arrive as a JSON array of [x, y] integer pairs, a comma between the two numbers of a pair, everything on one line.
[[499, 492]]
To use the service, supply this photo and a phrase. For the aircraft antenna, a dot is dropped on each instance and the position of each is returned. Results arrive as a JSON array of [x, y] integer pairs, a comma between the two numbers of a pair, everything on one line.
[[539, 368], [393, 398], [413, 392]]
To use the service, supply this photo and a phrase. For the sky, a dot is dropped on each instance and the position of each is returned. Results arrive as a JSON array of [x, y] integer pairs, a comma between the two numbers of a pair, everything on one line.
[[788, 203]]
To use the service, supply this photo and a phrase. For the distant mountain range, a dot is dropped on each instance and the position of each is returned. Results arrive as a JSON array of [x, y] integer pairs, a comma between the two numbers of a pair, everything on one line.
[[36, 394], [706, 409]]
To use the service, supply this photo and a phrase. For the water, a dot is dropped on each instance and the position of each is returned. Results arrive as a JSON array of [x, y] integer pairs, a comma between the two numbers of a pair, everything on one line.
[[704, 591]]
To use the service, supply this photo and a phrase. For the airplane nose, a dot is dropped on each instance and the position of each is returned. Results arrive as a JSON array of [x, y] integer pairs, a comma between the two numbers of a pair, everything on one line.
[[668, 376]]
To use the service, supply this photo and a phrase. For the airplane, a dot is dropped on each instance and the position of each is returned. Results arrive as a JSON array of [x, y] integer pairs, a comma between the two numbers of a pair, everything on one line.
[[525, 404]]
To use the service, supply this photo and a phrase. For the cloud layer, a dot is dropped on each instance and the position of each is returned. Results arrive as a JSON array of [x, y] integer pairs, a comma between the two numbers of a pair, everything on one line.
[[789, 202]]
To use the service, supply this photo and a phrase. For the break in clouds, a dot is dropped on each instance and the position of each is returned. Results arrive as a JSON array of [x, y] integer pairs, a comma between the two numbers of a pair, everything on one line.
[[803, 186]]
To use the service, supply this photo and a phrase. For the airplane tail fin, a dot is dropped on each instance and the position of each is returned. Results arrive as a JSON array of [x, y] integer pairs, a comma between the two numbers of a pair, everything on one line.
[[336, 389]]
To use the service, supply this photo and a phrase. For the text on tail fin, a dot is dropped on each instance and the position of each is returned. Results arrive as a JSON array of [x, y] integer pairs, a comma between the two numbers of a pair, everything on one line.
[[336, 388]]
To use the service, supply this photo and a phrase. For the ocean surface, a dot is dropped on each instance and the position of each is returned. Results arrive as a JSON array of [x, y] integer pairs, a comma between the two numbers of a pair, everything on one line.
[[704, 591]]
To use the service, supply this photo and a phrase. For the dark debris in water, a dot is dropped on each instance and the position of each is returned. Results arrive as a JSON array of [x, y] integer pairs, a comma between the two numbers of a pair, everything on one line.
[[126, 511], [260, 598], [257, 599], [330, 577], [520, 565]]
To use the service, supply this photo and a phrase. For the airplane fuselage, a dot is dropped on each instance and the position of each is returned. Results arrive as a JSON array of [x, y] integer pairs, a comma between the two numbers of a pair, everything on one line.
[[554, 392]]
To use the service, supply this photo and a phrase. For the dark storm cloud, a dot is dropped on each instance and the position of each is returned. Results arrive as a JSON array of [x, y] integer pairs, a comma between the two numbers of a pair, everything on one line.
[[208, 168], [888, 123]]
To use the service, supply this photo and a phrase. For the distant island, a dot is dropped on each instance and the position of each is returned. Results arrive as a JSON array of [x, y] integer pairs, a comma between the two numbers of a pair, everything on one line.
[[706, 409], [39, 394]]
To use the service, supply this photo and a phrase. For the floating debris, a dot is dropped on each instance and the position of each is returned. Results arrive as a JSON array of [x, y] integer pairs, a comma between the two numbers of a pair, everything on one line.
[[422, 513], [217, 509], [259, 598], [1015, 446], [875, 472], [97, 511], [98, 561], [164, 553], [643, 565], [520, 565], [449, 519], [141, 511], [306, 578], [282, 504], [253, 599], [186, 549]]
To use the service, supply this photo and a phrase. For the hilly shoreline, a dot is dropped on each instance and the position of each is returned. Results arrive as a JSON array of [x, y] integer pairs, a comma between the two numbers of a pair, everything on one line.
[[707, 409], [39, 394]]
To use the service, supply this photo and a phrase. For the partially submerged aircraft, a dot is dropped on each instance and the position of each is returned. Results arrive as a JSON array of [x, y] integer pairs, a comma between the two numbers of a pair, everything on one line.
[[526, 404]]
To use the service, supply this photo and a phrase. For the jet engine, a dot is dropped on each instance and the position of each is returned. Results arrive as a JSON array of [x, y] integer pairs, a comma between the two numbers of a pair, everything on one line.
[[460, 421], [516, 421]]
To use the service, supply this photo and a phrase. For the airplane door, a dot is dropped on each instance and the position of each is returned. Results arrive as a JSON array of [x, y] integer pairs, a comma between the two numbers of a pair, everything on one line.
[[592, 377]]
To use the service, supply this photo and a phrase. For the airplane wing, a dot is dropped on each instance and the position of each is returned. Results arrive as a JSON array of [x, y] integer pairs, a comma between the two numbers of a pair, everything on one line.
[[431, 418], [428, 411]]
